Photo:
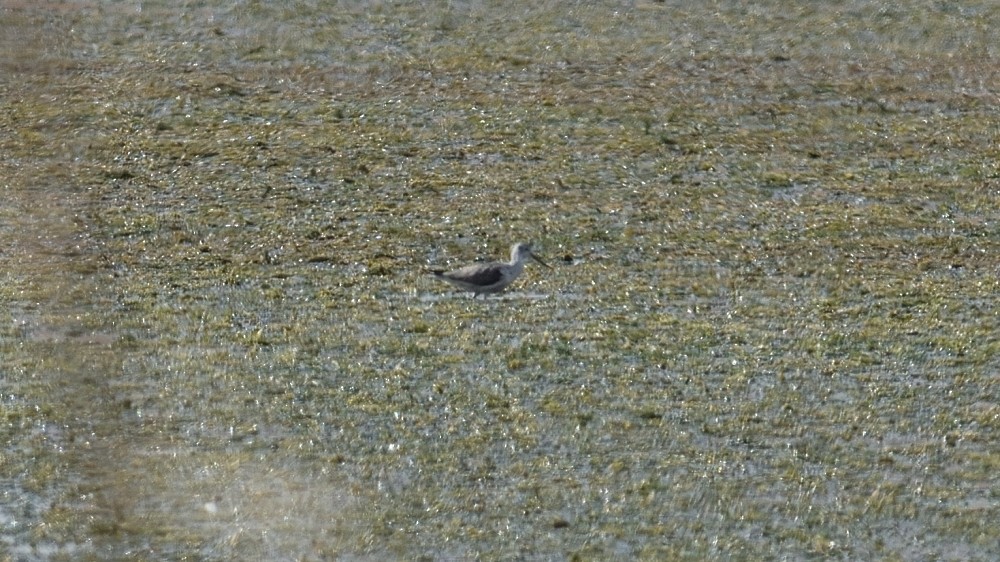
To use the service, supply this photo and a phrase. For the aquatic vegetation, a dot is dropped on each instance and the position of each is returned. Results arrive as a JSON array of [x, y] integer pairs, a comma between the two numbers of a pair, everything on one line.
[[769, 330]]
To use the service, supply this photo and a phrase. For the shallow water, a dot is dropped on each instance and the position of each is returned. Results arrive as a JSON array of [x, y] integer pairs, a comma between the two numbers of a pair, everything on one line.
[[773, 336]]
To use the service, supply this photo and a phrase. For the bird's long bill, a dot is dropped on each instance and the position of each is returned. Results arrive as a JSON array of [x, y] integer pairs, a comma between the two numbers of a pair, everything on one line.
[[539, 260]]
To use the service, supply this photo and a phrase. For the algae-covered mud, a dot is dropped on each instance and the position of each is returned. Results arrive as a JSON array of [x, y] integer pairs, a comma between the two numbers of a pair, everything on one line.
[[769, 331]]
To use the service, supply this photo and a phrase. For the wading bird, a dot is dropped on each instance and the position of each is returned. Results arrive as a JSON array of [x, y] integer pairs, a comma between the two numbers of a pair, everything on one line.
[[493, 277]]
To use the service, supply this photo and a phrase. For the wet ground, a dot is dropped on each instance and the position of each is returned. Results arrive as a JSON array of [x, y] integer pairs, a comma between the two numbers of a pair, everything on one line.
[[769, 333]]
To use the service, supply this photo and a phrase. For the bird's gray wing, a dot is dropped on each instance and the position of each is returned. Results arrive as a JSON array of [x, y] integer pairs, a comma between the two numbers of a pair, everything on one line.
[[479, 275]]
